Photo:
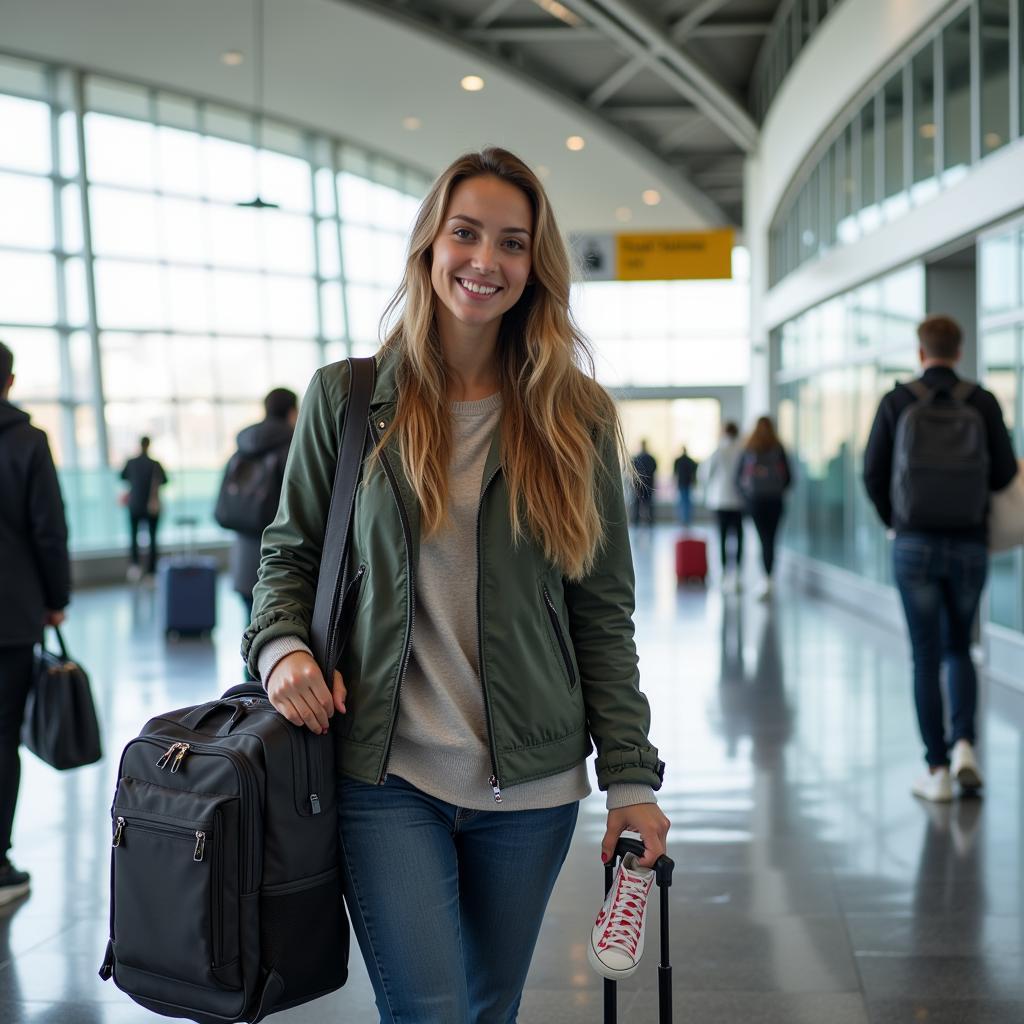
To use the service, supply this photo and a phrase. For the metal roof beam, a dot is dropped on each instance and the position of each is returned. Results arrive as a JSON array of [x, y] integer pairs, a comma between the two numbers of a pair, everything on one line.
[[640, 38], [689, 21], [728, 29], [492, 13], [534, 34], [614, 82]]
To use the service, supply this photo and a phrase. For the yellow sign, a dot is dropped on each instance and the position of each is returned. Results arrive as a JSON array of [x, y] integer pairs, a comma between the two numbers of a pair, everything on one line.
[[667, 256]]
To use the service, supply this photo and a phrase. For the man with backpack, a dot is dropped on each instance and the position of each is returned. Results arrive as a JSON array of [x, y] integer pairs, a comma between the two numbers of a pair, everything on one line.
[[144, 476], [937, 449], [251, 488]]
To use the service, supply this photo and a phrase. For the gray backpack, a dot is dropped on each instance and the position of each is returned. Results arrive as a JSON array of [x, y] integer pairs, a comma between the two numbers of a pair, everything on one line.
[[940, 461]]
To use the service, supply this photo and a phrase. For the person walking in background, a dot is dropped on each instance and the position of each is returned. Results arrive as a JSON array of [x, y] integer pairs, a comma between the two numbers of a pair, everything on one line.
[[252, 483], [937, 448], [645, 465], [145, 477], [685, 471], [763, 477], [35, 588], [721, 494]]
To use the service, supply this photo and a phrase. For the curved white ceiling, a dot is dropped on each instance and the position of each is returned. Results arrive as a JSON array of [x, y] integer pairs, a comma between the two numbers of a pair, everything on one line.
[[357, 74]]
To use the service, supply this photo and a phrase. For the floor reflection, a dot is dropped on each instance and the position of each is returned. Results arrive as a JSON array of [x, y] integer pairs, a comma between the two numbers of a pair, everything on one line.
[[811, 888]]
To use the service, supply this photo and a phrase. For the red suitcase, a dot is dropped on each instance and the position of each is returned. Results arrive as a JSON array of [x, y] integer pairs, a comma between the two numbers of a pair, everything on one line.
[[691, 559]]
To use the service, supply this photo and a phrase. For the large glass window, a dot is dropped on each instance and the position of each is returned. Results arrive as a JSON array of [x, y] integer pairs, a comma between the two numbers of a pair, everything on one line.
[[217, 272], [892, 102], [994, 27], [957, 119], [870, 214], [836, 361], [922, 76]]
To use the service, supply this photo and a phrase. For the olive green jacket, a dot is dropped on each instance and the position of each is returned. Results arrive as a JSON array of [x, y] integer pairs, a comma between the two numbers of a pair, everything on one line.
[[558, 663]]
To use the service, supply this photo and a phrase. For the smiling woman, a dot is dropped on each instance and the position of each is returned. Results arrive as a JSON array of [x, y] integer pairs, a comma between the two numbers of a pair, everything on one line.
[[491, 512]]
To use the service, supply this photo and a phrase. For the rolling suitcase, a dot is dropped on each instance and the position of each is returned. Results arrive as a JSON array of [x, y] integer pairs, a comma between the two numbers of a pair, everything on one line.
[[187, 587], [691, 559], [663, 876]]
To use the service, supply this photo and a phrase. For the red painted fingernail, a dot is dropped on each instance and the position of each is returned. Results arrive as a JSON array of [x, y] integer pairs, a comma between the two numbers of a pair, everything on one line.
[[604, 858]]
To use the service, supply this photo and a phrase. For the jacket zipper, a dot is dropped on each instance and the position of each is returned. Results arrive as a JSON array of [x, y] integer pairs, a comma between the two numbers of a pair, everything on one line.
[[495, 780], [411, 592], [312, 771], [556, 625]]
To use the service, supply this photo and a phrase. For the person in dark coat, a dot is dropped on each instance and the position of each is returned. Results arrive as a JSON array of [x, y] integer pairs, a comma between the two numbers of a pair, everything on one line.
[[685, 471], [35, 587], [145, 477], [644, 466], [272, 435]]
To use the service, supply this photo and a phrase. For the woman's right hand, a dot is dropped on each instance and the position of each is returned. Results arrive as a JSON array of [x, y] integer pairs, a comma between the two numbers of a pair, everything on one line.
[[297, 689]]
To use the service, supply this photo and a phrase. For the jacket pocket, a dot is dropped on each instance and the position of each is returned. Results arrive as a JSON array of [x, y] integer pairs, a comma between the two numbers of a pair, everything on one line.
[[563, 646], [175, 888], [347, 610]]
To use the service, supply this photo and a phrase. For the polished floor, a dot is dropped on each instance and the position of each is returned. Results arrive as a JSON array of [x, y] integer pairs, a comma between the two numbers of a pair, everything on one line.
[[811, 888]]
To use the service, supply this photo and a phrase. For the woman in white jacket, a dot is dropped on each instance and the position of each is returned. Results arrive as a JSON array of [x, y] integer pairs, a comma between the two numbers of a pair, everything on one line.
[[721, 494]]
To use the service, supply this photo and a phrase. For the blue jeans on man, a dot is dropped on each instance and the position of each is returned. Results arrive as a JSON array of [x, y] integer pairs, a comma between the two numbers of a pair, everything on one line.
[[940, 579], [685, 506]]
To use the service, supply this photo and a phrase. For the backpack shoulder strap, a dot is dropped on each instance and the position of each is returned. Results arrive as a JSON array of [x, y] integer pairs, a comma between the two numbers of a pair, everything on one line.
[[919, 390], [332, 578], [963, 390]]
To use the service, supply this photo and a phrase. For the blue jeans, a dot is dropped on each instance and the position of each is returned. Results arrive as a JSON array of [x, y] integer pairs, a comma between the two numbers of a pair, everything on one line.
[[940, 580], [446, 902], [685, 506]]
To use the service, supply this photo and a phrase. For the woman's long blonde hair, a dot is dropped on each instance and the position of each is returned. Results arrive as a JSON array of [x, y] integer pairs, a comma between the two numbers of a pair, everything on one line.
[[554, 410]]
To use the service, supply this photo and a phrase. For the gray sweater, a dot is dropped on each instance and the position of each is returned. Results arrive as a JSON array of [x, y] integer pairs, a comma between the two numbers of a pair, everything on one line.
[[440, 742]]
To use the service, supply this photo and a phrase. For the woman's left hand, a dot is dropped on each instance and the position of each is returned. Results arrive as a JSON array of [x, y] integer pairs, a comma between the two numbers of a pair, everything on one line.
[[646, 819]]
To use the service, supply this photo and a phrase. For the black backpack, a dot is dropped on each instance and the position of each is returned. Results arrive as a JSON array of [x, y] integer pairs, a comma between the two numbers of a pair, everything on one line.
[[250, 491], [226, 899], [940, 466], [763, 475]]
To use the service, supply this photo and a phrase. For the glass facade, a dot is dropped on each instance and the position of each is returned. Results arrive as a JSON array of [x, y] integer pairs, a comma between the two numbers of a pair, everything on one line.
[[167, 261], [1001, 339], [954, 99], [834, 362], [794, 23]]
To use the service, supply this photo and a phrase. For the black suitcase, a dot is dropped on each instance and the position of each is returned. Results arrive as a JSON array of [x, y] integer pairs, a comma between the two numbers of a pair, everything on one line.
[[187, 588], [221, 858], [663, 876]]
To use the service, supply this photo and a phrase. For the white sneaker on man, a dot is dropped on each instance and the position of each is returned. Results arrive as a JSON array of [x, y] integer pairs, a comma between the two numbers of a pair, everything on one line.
[[617, 939], [965, 766], [934, 786], [134, 573]]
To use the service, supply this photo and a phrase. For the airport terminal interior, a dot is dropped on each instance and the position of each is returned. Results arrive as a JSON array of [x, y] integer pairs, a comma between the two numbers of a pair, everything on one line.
[[204, 200]]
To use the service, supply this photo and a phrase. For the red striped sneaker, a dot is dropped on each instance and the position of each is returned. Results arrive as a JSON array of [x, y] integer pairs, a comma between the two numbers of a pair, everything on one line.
[[617, 940]]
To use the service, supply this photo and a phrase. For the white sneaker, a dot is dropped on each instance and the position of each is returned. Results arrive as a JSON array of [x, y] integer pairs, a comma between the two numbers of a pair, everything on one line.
[[134, 574], [965, 766], [617, 939], [934, 786]]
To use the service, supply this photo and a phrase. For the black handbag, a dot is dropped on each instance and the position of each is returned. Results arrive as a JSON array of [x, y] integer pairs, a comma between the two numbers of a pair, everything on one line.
[[60, 725]]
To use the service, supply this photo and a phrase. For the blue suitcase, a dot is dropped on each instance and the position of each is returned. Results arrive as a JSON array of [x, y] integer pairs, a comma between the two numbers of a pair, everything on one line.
[[188, 595]]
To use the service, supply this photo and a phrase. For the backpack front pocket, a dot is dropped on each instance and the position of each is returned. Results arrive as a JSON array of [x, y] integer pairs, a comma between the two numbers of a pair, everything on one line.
[[175, 893]]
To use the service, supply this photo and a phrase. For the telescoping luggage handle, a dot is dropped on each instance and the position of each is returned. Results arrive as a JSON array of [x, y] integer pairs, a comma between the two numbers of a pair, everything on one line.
[[663, 876]]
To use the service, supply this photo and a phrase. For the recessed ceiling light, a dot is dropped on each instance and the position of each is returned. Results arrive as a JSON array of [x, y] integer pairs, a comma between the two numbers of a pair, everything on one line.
[[651, 197], [543, 171], [411, 124], [993, 140], [575, 143], [559, 11], [472, 83], [623, 213], [927, 130], [232, 58]]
